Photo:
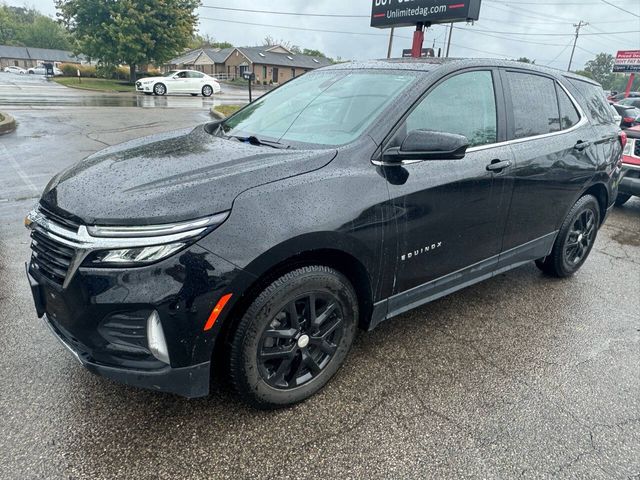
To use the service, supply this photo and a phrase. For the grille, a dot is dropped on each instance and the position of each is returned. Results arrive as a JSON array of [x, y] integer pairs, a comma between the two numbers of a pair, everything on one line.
[[636, 150], [50, 258]]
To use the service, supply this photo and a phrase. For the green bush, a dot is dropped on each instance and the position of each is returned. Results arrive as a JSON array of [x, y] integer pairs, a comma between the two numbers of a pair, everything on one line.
[[71, 70]]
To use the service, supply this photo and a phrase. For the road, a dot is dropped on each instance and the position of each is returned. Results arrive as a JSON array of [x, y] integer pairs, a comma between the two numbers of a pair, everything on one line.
[[521, 376], [36, 90]]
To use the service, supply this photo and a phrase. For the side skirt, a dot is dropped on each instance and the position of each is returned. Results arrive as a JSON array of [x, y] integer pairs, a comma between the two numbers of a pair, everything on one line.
[[452, 282]]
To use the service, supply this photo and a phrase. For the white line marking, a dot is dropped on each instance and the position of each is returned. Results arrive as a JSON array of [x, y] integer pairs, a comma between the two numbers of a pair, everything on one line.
[[16, 166]]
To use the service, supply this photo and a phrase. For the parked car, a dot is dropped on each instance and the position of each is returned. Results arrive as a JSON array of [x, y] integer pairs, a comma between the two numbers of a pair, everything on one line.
[[14, 69], [630, 115], [258, 244], [41, 70], [179, 81], [630, 183], [631, 101], [616, 97]]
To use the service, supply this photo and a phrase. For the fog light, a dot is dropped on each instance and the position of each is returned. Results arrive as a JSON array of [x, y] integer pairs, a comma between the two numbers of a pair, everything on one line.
[[155, 338]]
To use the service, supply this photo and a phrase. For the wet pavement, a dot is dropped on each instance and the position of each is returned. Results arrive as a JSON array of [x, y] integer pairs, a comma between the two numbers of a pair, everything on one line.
[[38, 91], [521, 376]]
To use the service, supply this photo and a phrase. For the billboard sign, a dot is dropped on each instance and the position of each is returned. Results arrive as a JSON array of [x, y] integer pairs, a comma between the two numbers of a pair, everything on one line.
[[627, 61], [406, 13]]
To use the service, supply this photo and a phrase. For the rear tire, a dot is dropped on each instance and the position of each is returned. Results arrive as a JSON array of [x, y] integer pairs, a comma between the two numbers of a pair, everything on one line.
[[575, 239], [293, 337], [621, 199]]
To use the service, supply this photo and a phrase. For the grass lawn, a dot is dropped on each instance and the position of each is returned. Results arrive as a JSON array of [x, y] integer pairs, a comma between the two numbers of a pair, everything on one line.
[[227, 110], [99, 84]]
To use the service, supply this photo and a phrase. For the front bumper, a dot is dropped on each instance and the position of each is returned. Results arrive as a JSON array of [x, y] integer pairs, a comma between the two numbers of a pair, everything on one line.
[[190, 382], [630, 183], [141, 87], [101, 318]]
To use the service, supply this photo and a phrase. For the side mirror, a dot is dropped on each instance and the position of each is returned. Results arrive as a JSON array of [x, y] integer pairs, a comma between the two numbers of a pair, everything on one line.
[[428, 145]]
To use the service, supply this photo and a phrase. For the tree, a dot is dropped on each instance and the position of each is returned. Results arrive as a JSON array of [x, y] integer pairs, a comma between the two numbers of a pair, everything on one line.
[[601, 69], [29, 28], [313, 53], [207, 41], [133, 32], [526, 60], [269, 41]]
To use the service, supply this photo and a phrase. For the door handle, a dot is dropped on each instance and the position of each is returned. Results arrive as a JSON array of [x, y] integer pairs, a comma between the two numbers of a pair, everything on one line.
[[498, 165], [580, 146]]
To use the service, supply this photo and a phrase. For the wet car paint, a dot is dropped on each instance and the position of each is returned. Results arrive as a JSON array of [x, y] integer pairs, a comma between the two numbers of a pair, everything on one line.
[[345, 208]]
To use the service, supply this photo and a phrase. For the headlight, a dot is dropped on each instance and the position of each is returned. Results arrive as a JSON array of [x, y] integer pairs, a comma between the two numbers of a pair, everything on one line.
[[143, 245], [629, 147], [140, 255]]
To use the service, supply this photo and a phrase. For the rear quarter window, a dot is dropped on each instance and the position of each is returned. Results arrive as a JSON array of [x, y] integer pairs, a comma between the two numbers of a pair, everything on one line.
[[595, 103]]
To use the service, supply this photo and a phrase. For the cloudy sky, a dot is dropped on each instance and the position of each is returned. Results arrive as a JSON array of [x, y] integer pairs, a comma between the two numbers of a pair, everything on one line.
[[542, 30]]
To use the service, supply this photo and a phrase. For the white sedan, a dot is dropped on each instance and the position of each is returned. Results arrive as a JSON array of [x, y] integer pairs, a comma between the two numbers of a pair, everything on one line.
[[41, 70], [179, 81], [12, 69]]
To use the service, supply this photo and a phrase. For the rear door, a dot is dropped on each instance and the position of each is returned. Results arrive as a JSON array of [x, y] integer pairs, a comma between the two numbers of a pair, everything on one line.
[[555, 157], [451, 214], [195, 82]]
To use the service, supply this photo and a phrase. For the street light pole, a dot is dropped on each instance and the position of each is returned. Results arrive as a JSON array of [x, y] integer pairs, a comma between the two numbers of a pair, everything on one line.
[[575, 40], [449, 40], [390, 42]]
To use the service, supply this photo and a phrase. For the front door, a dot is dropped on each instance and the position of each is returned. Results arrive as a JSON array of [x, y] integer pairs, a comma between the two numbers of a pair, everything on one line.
[[274, 75], [451, 214]]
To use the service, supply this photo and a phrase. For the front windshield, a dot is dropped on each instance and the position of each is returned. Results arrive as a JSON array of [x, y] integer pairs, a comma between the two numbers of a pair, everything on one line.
[[171, 73], [326, 108]]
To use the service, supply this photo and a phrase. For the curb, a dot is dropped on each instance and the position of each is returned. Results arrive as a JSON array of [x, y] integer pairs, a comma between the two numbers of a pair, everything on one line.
[[7, 125], [216, 114]]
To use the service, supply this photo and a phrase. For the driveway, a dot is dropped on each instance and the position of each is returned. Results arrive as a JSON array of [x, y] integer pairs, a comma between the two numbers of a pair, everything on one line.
[[521, 376]]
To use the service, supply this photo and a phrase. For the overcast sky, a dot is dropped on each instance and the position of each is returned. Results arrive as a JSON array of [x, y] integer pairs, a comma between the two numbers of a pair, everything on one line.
[[484, 39]]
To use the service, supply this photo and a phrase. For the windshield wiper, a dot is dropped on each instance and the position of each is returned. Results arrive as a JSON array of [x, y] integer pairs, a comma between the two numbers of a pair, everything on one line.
[[253, 140]]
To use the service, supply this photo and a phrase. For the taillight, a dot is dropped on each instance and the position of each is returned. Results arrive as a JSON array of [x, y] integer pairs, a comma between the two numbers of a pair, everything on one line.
[[622, 136], [629, 120]]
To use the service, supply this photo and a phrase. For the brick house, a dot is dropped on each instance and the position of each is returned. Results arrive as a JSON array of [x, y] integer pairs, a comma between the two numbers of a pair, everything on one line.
[[27, 57], [270, 64]]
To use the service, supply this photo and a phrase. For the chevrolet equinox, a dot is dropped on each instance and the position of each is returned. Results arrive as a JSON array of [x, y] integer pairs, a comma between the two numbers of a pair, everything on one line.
[[256, 246]]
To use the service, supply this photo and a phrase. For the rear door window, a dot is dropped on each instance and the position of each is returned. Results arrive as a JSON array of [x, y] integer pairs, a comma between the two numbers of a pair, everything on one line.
[[535, 104], [597, 107], [568, 114]]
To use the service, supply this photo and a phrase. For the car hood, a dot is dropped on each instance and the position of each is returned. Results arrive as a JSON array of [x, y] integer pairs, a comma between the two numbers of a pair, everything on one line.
[[171, 177]]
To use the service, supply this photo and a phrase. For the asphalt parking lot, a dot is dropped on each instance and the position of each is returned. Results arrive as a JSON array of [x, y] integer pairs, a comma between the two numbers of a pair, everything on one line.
[[521, 376]]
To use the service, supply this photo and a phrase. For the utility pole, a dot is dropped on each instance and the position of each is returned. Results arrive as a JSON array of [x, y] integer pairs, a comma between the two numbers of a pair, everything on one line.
[[390, 42], [578, 26], [449, 40]]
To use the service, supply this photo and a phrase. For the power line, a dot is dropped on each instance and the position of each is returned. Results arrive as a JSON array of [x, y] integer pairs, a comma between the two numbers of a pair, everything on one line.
[[620, 8], [301, 28], [561, 52], [333, 15], [552, 34]]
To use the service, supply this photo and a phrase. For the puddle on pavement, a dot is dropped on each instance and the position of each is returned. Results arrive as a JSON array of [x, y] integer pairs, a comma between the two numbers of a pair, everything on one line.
[[627, 238]]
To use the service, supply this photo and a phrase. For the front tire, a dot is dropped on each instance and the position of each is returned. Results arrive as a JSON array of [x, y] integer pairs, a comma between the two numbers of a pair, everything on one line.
[[621, 199], [575, 239], [293, 337], [159, 89], [207, 91]]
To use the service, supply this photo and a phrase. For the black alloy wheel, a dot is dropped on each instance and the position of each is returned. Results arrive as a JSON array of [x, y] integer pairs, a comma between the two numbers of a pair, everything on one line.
[[581, 236], [293, 337], [574, 240], [300, 340]]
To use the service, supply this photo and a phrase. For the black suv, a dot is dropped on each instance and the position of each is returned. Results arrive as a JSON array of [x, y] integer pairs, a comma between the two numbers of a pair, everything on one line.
[[257, 245]]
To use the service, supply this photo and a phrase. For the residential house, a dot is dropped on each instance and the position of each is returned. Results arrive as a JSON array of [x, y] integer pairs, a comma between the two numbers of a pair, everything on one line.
[[27, 57], [270, 64]]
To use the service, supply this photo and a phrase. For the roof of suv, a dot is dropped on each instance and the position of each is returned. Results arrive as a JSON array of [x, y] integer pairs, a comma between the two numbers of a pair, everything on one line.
[[431, 64]]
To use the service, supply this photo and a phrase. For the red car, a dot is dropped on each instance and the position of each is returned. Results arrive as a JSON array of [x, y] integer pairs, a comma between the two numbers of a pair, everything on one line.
[[630, 183]]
